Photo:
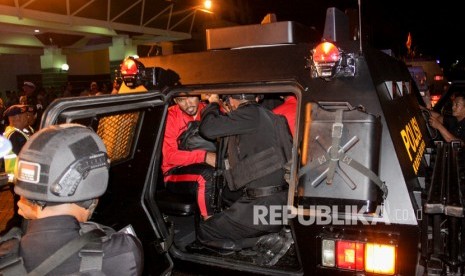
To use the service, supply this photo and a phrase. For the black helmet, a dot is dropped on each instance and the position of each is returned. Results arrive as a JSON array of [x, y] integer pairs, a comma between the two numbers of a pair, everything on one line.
[[62, 163], [249, 97]]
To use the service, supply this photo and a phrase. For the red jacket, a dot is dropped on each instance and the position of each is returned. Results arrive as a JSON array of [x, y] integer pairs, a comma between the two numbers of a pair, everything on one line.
[[288, 110], [176, 123]]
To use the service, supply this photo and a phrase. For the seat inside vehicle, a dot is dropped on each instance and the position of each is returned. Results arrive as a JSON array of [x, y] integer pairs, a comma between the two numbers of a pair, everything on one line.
[[180, 209], [175, 204]]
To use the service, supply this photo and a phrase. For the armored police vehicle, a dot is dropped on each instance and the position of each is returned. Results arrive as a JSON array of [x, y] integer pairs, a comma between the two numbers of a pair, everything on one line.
[[369, 192]]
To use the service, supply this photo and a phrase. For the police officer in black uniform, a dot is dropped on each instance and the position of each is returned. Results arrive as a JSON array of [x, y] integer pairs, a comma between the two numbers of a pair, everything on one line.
[[254, 172], [61, 172], [451, 128]]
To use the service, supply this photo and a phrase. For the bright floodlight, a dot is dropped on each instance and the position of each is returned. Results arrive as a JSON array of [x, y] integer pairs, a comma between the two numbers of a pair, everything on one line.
[[207, 4]]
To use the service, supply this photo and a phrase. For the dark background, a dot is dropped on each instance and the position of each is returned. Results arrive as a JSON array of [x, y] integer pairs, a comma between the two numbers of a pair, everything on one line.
[[437, 27]]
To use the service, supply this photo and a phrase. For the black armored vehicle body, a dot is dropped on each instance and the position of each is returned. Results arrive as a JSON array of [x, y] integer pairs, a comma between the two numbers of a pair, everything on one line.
[[362, 160]]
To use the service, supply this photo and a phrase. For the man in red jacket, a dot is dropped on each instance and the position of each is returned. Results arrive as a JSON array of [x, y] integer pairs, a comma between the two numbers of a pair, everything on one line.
[[288, 109], [187, 172]]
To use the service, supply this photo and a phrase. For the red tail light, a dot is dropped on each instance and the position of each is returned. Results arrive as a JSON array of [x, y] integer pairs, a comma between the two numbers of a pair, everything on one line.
[[379, 258], [350, 255]]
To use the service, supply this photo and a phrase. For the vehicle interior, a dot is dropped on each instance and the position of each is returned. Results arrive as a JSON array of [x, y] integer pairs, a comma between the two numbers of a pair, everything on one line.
[[181, 213], [132, 128]]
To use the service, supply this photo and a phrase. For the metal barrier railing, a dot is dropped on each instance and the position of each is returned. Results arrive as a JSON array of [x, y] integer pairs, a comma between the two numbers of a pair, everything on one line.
[[443, 224]]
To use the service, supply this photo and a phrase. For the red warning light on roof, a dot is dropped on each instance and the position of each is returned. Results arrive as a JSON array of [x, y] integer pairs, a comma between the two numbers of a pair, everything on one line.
[[129, 67], [326, 52]]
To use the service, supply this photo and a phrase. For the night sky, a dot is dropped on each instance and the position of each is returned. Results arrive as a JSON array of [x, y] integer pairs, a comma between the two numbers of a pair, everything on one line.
[[436, 27]]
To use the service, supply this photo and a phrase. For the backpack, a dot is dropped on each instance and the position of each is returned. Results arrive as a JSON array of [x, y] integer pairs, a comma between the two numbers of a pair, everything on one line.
[[89, 244], [191, 139]]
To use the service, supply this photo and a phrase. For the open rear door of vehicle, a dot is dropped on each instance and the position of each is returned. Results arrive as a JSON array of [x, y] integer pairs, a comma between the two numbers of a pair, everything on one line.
[[131, 126]]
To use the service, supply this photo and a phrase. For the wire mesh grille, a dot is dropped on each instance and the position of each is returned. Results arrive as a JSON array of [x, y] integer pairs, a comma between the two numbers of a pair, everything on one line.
[[117, 133]]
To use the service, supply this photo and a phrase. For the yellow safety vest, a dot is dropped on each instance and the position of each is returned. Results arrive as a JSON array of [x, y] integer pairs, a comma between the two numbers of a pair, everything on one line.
[[10, 159]]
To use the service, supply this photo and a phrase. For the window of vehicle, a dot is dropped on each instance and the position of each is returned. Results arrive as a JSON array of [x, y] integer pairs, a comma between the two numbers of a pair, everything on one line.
[[397, 89], [117, 133]]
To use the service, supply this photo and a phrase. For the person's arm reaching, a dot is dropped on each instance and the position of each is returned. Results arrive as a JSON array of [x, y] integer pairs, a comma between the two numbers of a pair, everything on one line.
[[214, 124], [437, 123]]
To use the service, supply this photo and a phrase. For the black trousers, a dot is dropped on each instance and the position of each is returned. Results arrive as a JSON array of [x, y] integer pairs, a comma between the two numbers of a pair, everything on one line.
[[237, 222], [195, 180]]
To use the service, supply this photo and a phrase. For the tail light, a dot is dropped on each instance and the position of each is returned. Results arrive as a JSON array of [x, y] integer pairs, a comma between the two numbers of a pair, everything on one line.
[[359, 256], [328, 253], [380, 258], [349, 255]]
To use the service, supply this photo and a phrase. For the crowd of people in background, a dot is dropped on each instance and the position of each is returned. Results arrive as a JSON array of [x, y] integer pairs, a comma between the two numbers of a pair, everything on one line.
[[20, 115], [41, 97]]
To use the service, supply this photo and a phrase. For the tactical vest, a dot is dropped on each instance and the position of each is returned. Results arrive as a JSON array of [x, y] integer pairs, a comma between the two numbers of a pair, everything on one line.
[[89, 244], [238, 173]]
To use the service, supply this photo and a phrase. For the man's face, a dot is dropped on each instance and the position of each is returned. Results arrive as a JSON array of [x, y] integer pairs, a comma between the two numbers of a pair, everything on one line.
[[20, 121], [234, 103], [31, 118], [24, 120], [458, 107], [93, 87], [189, 105], [28, 91]]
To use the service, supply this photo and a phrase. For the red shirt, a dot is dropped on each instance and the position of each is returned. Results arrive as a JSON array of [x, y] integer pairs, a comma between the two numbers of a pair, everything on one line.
[[288, 110], [176, 123]]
